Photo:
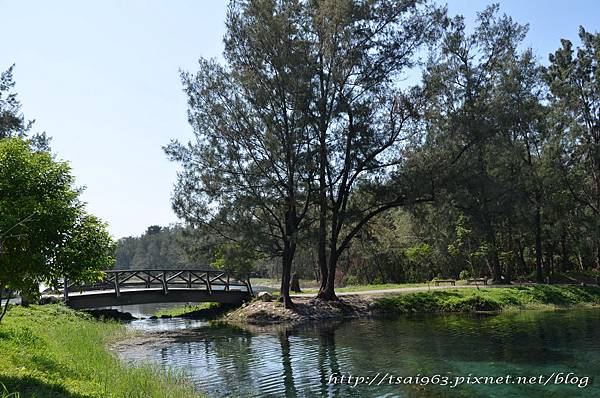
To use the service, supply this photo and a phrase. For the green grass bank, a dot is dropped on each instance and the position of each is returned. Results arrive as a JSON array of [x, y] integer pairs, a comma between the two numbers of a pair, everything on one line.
[[54, 352], [489, 299]]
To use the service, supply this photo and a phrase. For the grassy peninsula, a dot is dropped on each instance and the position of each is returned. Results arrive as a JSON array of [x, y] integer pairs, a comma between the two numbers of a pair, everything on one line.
[[490, 299], [463, 299], [54, 352]]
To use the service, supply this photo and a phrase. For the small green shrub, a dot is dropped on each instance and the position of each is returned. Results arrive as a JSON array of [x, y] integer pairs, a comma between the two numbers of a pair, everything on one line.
[[464, 274], [351, 280], [472, 304]]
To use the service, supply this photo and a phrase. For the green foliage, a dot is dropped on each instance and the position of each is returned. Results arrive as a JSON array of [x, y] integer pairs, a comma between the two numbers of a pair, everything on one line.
[[307, 89], [418, 252], [464, 274], [378, 253], [54, 352], [574, 85], [469, 300], [235, 258], [159, 248], [12, 121], [45, 233]]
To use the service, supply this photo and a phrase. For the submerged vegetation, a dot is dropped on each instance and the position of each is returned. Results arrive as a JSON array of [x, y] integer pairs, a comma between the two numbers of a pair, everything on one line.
[[190, 310], [489, 299], [53, 352]]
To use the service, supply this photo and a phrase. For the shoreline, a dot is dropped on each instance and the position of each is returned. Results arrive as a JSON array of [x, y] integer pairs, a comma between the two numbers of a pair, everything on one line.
[[271, 317], [437, 300], [54, 351]]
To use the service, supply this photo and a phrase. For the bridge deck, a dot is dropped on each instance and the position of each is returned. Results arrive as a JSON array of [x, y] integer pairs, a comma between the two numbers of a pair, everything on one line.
[[124, 287]]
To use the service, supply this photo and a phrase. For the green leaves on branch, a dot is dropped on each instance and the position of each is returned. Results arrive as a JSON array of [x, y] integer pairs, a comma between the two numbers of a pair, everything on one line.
[[45, 233], [236, 259]]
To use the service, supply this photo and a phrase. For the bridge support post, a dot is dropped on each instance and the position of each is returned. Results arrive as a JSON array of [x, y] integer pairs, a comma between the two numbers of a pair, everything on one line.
[[164, 283], [249, 286], [227, 285], [208, 283], [117, 290]]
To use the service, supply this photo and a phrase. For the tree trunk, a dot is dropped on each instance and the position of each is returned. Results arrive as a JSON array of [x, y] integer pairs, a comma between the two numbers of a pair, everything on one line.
[[329, 292], [522, 263], [295, 284], [286, 267], [286, 362], [496, 269], [9, 296], [289, 250], [322, 234], [564, 255], [539, 277], [548, 264]]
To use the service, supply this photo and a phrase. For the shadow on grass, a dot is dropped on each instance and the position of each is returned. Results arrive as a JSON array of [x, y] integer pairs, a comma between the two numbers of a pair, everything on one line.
[[27, 386]]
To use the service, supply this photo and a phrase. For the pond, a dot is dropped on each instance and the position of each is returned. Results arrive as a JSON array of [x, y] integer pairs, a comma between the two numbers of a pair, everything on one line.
[[310, 360]]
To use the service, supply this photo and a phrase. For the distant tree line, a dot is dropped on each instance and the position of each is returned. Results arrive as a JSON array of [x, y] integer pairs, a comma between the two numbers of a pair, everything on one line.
[[157, 248], [311, 149]]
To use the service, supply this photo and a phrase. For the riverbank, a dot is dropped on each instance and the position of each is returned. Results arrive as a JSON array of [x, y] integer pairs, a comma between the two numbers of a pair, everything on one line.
[[491, 299], [54, 352]]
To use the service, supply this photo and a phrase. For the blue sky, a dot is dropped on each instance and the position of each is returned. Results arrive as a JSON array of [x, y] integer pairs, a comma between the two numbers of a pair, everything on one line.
[[101, 77]]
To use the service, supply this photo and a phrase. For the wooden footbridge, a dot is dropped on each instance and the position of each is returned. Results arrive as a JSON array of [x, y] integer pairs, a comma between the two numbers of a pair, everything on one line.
[[125, 287]]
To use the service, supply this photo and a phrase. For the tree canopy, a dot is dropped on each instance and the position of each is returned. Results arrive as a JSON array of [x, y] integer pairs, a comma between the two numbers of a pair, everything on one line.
[[158, 248], [45, 232], [307, 140], [305, 103]]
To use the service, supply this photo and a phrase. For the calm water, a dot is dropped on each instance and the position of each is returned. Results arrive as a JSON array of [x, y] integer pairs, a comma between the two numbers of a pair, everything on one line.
[[300, 362]]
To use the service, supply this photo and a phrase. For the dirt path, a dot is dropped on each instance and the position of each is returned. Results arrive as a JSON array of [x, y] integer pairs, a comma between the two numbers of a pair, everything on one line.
[[404, 290]]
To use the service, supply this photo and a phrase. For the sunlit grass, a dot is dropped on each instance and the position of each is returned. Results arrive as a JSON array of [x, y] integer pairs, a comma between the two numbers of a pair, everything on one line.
[[312, 287], [52, 351], [359, 288]]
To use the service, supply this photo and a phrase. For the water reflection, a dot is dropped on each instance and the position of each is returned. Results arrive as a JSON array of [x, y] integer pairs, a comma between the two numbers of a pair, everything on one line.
[[299, 362]]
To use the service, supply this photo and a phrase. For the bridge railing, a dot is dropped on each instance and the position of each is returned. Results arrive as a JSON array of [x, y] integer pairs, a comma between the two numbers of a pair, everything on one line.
[[198, 279]]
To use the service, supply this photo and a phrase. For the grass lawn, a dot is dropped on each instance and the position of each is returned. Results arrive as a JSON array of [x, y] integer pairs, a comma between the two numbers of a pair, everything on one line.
[[276, 283], [54, 352], [490, 299], [311, 286], [358, 288]]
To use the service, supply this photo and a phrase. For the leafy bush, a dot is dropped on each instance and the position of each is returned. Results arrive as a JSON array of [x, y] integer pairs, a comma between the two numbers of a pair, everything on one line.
[[235, 258], [351, 280], [464, 274], [471, 304]]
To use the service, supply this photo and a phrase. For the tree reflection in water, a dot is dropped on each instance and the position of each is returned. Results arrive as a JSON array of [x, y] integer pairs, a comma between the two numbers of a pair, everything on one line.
[[225, 361]]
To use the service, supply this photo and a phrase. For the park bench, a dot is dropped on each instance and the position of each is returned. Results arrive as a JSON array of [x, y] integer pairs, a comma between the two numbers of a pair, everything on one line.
[[450, 281], [477, 280]]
